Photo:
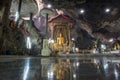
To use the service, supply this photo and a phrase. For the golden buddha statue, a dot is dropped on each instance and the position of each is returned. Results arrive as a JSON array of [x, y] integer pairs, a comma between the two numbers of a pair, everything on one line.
[[60, 39], [118, 46], [115, 47]]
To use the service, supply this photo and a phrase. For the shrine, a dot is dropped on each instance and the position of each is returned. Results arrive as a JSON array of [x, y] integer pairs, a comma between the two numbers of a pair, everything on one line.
[[60, 33]]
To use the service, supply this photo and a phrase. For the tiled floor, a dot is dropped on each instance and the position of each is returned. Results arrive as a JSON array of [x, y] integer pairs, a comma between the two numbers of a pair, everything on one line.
[[37, 68]]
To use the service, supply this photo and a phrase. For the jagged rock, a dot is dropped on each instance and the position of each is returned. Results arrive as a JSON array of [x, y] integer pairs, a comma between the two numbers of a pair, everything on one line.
[[93, 21]]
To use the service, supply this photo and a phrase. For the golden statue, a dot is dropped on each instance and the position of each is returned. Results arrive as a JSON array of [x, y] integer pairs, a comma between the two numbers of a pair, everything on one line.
[[118, 46], [60, 39], [115, 47]]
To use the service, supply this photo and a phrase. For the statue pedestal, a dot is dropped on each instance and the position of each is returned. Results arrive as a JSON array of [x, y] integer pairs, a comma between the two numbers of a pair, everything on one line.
[[45, 51]]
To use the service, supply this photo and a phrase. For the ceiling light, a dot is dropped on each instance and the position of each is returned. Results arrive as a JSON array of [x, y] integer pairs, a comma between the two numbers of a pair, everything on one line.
[[49, 6], [82, 11], [107, 10]]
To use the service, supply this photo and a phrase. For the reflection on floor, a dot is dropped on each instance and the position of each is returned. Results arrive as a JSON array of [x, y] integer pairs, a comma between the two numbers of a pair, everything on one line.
[[36, 68]]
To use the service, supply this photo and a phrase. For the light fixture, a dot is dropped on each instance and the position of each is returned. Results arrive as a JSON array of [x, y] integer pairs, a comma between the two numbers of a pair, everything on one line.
[[110, 40], [50, 41], [16, 16], [105, 66], [107, 10], [82, 11], [77, 49], [74, 75], [49, 6], [77, 64], [73, 39], [50, 74], [28, 43], [103, 46]]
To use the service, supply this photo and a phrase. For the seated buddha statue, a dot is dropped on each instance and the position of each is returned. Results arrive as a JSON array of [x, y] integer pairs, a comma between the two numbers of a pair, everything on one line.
[[60, 39]]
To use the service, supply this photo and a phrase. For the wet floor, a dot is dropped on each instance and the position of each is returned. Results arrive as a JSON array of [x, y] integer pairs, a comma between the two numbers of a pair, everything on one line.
[[36, 68]]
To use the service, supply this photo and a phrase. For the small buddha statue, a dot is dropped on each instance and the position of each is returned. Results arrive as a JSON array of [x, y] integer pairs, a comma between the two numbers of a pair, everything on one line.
[[118, 46], [115, 47], [60, 39]]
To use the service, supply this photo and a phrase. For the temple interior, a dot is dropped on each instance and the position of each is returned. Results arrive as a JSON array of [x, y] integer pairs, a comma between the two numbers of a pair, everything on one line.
[[79, 26], [59, 39]]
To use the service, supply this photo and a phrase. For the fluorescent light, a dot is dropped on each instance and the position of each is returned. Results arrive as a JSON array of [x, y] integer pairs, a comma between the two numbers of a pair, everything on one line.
[[28, 43], [16, 16]]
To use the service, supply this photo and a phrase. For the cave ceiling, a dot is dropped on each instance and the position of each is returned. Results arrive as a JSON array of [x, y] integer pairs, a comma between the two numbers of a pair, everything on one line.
[[95, 20]]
